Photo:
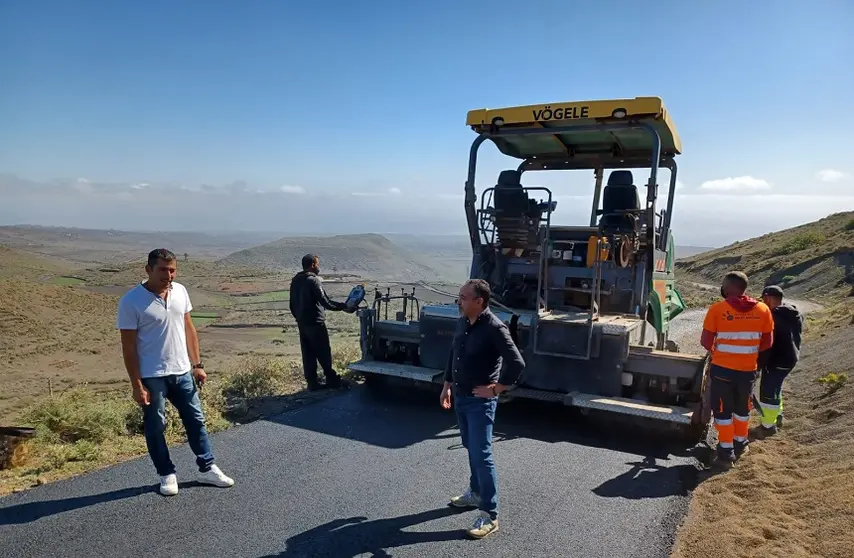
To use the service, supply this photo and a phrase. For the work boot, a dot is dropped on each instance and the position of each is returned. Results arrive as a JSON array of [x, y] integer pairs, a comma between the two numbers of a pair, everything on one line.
[[483, 526], [740, 448], [780, 421], [316, 386], [467, 500], [726, 456], [765, 432], [337, 382]]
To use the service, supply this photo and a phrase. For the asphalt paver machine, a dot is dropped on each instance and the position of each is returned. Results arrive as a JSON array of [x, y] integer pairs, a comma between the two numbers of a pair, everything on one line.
[[589, 306]]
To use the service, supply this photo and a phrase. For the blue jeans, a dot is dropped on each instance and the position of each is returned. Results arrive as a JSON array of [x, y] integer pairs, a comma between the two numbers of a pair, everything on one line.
[[181, 391], [476, 418]]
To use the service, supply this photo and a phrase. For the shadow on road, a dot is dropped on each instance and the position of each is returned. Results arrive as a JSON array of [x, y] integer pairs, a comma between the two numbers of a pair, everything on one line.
[[32, 511], [355, 536], [397, 417], [647, 479]]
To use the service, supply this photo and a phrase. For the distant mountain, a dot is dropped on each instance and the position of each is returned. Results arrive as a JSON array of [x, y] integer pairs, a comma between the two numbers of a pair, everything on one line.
[[118, 246], [370, 256]]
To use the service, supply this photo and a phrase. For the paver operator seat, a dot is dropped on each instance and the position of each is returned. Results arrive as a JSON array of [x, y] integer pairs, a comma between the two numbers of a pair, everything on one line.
[[517, 216], [620, 204]]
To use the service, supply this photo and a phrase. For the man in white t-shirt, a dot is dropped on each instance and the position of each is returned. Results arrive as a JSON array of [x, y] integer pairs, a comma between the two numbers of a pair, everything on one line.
[[160, 347]]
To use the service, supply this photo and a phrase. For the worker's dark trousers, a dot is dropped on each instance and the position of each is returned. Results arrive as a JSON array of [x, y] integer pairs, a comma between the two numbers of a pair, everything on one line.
[[771, 394], [314, 344], [730, 395]]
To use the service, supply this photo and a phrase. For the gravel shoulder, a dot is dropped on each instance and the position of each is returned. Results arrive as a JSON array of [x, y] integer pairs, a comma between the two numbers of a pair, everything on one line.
[[793, 494]]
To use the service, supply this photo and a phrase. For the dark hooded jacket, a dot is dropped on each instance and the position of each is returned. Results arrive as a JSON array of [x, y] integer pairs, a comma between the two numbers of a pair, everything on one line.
[[308, 300], [788, 326]]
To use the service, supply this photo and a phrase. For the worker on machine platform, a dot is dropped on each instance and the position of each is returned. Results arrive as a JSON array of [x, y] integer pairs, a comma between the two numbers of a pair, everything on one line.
[[777, 361], [735, 331]]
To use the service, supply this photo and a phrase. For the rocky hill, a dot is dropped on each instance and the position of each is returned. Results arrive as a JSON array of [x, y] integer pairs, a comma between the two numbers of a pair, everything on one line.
[[814, 260], [365, 255]]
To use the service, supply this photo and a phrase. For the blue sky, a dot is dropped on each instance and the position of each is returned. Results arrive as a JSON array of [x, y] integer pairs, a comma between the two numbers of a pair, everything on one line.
[[333, 99]]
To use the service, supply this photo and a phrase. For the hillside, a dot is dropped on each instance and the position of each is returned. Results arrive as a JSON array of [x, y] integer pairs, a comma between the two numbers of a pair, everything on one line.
[[117, 247], [19, 264], [365, 255], [815, 260]]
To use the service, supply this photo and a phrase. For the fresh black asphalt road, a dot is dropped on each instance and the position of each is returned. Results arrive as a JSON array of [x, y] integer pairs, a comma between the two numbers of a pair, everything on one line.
[[360, 475]]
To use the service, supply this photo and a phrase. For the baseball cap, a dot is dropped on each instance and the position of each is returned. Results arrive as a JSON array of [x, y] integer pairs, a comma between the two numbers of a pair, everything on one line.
[[773, 290]]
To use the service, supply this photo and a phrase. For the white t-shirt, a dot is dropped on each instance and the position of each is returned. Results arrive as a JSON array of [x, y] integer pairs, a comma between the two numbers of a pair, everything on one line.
[[161, 338]]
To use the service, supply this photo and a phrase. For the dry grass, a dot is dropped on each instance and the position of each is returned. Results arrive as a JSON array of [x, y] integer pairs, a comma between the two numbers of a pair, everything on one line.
[[793, 494], [16, 264], [46, 319]]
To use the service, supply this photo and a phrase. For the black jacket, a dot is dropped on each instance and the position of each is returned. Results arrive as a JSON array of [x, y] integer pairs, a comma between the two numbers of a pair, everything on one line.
[[478, 353], [308, 300], [788, 326]]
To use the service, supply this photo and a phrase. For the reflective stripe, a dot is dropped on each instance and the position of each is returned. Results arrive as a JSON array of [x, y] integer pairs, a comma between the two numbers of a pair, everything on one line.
[[740, 335], [738, 349], [740, 438], [741, 418], [726, 445], [723, 422]]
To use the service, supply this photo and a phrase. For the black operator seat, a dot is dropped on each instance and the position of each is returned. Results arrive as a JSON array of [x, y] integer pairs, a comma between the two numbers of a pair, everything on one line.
[[510, 199], [619, 195]]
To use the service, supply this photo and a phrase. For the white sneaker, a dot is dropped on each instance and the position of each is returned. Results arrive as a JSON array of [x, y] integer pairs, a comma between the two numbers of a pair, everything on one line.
[[467, 500], [169, 485], [483, 526], [215, 477]]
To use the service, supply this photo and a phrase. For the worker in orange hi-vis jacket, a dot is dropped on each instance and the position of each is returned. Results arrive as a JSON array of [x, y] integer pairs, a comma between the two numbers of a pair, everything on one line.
[[735, 330]]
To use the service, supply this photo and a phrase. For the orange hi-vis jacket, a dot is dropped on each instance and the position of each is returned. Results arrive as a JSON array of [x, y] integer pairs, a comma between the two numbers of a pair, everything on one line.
[[740, 327]]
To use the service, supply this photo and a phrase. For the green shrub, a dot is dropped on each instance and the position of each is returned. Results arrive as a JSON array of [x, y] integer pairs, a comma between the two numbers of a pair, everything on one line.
[[257, 376], [78, 414], [801, 241], [849, 226], [833, 381]]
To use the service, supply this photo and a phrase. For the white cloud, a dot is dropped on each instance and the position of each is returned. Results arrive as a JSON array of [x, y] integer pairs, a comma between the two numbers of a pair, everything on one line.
[[679, 184], [140, 186], [292, 189], [830, 175], [730, 184], [394, 190]]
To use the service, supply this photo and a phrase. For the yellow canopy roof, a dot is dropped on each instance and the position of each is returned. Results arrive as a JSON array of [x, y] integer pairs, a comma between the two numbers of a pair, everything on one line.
[[628, 142]]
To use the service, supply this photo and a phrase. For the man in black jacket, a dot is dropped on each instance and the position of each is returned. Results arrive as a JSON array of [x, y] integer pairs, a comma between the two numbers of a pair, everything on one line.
[[776, 362], [308, 304], [480, 349]]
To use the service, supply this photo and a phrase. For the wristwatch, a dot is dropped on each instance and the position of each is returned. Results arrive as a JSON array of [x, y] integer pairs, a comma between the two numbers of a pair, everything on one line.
[[199, 365]]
